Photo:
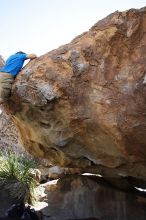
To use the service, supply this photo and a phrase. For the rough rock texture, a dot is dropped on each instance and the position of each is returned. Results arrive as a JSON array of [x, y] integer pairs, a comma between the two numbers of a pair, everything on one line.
[[84, 104], [80, 197], [56, 172], [9, 136]]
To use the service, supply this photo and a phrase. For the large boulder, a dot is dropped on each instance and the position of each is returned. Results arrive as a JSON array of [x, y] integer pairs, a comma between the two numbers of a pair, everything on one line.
[[84, 104]]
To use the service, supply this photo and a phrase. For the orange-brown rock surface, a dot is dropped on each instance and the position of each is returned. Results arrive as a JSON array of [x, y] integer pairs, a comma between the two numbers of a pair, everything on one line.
[[84, 104]]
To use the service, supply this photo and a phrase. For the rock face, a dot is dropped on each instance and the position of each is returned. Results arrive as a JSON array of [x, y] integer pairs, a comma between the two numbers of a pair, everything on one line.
[[84, 104], [9, 136], [81, 197]]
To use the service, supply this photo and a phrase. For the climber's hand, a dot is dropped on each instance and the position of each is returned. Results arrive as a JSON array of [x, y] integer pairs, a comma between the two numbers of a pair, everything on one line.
[[31, 56]]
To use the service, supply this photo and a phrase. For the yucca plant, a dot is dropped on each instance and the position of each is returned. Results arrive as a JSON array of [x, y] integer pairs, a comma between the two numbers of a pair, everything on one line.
[[15, 176]]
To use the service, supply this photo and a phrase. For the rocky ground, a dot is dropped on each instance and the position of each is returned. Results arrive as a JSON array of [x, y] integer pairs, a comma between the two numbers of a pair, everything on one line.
[[83, 197]]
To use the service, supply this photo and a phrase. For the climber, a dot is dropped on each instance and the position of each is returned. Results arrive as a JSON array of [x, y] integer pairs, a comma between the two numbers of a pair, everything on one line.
[[9, 72]]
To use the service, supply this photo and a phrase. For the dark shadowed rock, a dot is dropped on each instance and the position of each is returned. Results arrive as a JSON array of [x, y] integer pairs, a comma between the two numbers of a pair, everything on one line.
[[81, 197]]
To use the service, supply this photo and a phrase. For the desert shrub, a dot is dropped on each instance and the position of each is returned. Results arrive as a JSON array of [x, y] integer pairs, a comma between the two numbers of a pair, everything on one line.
[[15, 176]]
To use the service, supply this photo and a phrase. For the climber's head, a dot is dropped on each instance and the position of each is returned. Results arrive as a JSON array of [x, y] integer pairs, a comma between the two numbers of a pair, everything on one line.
[[20, 52]]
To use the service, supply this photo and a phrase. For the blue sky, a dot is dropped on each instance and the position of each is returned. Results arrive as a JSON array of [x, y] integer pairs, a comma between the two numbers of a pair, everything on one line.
[[38, 26]]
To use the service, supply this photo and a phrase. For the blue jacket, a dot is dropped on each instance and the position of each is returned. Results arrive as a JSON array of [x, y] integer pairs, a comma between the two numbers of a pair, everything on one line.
[[14, 64]]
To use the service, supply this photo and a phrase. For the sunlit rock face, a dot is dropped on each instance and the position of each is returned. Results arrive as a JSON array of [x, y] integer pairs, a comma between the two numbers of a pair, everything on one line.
[[84, 104]]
